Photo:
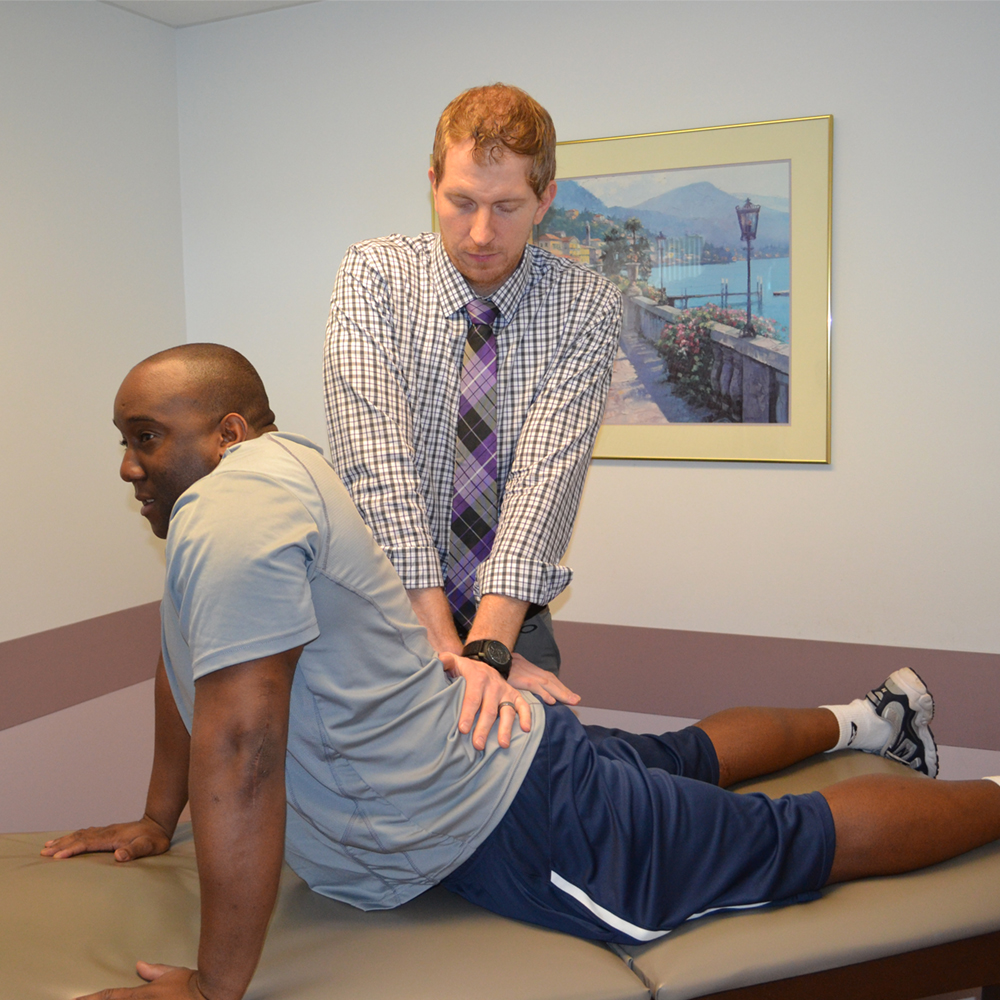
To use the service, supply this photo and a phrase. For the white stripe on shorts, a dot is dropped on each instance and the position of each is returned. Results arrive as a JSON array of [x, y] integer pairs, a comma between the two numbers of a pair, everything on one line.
[[611, 919], [619, 923]]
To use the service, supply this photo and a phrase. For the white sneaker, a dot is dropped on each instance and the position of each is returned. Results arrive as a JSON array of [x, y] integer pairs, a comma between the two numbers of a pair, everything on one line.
[[906, 704]]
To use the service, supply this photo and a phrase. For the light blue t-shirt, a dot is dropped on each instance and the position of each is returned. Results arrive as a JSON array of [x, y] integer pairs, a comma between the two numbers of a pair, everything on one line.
[[385, 796]]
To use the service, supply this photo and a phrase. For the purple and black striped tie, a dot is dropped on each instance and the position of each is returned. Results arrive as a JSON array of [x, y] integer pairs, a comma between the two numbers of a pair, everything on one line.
[[474, 508]]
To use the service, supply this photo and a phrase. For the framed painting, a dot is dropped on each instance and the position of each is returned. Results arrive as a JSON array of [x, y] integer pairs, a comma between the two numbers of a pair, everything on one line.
[[720, 241]]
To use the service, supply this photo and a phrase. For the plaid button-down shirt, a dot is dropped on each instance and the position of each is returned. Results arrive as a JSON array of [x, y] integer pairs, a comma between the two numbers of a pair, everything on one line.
[[393, 362]]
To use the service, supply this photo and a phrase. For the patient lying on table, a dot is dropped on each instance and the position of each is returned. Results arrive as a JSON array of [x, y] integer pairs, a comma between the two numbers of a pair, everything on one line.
[[302, 712]]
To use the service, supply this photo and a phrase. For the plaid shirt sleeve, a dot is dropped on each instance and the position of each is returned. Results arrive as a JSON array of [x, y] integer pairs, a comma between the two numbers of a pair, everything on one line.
[[371, 425], [552, 454]]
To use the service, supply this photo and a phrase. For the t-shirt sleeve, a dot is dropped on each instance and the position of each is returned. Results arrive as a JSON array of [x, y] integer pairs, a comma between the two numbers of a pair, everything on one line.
[[239, 561]]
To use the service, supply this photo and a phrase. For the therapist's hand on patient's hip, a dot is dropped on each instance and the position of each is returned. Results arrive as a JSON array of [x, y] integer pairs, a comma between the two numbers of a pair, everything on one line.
[[544, 684], [128, 841], [486, 692]]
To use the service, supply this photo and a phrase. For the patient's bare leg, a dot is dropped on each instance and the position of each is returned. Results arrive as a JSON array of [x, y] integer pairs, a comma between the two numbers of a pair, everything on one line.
[[754, 741], [887, 825], [892, 720]]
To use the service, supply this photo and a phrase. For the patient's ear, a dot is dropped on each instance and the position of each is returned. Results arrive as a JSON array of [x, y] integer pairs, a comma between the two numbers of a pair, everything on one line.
[[233, 429]]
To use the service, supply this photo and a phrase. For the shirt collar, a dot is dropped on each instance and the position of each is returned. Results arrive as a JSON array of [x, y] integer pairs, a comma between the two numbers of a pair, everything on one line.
[[455, 292]]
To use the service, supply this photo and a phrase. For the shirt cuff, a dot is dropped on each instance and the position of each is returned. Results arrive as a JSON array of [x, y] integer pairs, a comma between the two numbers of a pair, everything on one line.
[[417, 568], [524, 579]]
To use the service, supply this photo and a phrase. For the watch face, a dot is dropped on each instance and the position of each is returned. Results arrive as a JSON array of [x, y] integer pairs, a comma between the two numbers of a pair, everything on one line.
[[490, 651], [495, 653]]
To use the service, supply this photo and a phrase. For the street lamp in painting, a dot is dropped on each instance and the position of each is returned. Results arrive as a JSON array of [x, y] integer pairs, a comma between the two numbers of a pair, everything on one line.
[[661, 241], [748, 215]]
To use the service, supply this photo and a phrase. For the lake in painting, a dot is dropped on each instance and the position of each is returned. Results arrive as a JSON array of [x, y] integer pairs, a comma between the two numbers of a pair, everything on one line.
[[673, 236]]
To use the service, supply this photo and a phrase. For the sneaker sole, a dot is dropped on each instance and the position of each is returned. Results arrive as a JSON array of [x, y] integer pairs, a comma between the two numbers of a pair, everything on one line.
[[922, 703]]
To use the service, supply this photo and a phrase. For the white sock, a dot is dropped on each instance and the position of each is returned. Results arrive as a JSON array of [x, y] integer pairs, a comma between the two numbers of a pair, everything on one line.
[[993, 777], [860, 727]]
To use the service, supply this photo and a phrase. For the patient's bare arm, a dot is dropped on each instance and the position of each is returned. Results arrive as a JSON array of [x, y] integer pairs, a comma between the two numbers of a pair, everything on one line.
[[237, 785], [167, 796], [238, 743]]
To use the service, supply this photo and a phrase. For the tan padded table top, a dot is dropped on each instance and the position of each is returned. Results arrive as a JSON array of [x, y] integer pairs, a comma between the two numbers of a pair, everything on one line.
[[852, 923], [71, 927]]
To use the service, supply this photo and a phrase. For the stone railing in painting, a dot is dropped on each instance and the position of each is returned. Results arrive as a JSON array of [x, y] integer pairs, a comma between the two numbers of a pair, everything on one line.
[[750, 375]]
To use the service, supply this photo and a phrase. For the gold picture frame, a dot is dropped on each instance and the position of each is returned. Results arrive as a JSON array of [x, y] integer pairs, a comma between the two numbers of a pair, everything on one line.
[[806, 144]]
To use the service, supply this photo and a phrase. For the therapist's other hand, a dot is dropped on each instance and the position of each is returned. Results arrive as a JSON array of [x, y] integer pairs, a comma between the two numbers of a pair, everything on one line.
[[542, 683], [128, 841], [485, 689]]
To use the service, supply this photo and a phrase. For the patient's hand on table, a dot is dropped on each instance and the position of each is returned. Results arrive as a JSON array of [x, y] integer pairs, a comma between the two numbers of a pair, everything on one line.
[[128, 840], [167, 982]]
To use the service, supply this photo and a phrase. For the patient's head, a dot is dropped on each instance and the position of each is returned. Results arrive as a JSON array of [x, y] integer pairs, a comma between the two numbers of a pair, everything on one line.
[[178, 411]]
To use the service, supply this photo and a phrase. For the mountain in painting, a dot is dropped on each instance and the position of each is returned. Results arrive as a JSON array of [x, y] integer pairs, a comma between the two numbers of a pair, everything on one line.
[[696, 209], [573, 195]]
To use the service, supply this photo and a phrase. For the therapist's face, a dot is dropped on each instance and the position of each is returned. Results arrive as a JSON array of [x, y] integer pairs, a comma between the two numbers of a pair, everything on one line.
[[486, 212]]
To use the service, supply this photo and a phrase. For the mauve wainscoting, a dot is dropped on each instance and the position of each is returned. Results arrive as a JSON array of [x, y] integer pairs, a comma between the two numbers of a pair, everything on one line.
[[62, 667], [76, 701], [692, 674], [653, 671]]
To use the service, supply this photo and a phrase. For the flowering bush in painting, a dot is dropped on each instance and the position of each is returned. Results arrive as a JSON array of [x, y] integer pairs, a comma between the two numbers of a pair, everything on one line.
[[687, 349]]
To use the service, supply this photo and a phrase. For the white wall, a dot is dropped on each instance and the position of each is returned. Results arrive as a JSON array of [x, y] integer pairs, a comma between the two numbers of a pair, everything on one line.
[[306, 129], [90, 283], [302, 130]]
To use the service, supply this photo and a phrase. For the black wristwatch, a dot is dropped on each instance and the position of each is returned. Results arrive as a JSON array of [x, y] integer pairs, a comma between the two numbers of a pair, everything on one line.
[[492, 652]]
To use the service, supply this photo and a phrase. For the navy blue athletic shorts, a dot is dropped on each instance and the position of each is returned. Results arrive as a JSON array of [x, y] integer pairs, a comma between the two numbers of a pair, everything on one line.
[[616, 837]]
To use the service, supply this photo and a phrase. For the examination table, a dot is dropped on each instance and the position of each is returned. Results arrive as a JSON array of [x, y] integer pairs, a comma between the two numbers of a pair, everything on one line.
[[75, 926]]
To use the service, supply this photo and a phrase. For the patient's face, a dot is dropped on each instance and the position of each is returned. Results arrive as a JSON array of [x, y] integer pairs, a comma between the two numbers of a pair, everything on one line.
[[170, 443]]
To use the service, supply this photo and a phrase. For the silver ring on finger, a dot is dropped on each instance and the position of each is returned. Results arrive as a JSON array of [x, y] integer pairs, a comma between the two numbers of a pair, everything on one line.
[[509, 704]]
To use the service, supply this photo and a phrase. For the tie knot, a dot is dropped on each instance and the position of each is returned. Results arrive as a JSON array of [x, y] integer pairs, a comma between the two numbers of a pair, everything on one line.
[[482, 311]]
